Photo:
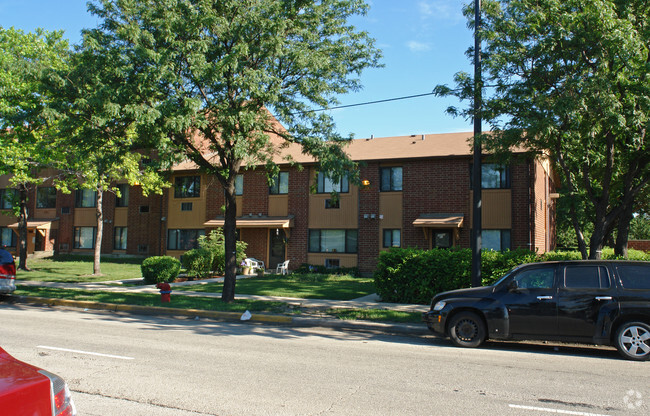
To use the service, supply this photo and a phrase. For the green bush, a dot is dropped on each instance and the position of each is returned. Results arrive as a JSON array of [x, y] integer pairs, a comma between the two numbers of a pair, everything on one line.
[[215, 243], [415, 276], [198, 262], [159, 269]]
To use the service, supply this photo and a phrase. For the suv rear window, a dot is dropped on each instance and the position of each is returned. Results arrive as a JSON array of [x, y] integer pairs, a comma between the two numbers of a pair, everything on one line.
[[586, 277], [634, 276]]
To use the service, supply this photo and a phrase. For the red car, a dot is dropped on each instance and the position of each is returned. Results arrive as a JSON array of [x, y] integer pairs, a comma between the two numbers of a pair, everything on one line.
[[28, 390]]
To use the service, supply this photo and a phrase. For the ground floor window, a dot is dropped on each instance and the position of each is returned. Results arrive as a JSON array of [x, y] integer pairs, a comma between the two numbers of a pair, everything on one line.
[[333, 241], [119, 238], [392, 238], [7, 237], [84, 237], [179, 239], [442, 239], [497, 240]]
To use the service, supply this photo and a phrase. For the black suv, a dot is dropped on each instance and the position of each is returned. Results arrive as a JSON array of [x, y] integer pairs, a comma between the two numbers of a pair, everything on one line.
[[596, 302]]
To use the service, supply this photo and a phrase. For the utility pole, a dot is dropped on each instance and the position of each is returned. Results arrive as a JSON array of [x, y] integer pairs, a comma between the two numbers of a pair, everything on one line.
[[476, 170]]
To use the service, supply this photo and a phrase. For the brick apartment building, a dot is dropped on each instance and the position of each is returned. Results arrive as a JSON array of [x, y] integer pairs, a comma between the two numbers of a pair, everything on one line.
[[415, 192]]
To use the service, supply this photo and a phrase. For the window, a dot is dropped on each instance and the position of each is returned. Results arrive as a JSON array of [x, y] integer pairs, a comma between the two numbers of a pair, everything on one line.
[[239, 185], [85, 198], [634, 276], [144, 209], [186, 206], [332, 203], [7, 237], [497, 240], [333, 241], [325, 185], [541, 278], [46, 197], [187, 187], [7, 198], [391, 179], [493, 176], [586, 277], [84, 237], [442, 239], [280, 184], [332, 263], [123, 199], [183, 239], [119, 238], [392, 238]]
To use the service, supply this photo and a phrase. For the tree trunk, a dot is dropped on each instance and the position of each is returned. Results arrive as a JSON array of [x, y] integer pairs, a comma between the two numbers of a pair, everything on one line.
[[99, 212], [230, 243], [22, 228], [623, 231]]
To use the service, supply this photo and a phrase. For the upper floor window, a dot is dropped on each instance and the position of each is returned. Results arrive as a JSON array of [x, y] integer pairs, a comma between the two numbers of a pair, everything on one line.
[[85, 198], [493, 176], [391, 179], [325, 185], [187, 187], [46, 197], [280, 184], [7, 198], [239, 185], [123, 199]]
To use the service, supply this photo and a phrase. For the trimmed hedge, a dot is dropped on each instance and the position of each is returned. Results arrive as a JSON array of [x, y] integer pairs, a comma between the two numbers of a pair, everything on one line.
[[160, 269], [405, 275]]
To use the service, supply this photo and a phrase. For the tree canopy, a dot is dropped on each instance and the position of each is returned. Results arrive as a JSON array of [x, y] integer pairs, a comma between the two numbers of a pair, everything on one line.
[[221, 74], [569, 79]]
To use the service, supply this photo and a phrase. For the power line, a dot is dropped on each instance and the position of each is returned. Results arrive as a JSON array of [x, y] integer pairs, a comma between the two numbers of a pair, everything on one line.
[[408, 97]]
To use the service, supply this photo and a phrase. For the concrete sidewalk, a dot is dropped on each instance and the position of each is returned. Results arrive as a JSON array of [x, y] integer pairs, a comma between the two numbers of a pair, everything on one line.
[[366, 302]]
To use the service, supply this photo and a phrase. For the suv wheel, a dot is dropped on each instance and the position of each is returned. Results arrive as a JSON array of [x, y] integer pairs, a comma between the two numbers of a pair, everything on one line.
[[633, 341], [466, 329]]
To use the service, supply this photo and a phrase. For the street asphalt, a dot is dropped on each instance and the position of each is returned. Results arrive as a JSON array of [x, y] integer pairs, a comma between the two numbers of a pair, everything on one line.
[[366, 302]]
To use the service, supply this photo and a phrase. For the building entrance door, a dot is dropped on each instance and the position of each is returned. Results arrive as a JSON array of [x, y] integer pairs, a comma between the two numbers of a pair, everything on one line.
[[277, 247]]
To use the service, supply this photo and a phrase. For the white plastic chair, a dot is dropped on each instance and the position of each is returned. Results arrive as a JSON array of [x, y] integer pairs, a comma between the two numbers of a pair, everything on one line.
[[259, 264], [251, 264], [283, 268]]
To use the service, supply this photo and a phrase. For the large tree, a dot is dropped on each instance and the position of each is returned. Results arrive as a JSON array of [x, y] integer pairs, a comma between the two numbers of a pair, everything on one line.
[[25, 58], [221, 68], [570, 79], [99, 111]]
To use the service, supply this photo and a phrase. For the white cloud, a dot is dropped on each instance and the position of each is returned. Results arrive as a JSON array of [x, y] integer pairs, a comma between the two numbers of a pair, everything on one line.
[[416, 46], [441, 9]]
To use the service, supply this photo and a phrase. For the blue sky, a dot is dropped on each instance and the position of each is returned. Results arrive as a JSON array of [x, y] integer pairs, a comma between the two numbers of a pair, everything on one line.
[[423, 42]]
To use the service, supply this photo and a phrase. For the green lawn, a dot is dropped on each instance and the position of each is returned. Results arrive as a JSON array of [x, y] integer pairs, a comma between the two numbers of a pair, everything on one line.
[[306, 286], [74, 269]]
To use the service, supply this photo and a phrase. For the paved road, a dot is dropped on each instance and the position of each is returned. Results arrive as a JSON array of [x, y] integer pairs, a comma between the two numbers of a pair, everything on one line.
[[164, 366]]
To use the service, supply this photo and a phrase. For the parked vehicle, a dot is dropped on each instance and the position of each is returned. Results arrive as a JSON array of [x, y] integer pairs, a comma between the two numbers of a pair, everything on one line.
[[596, 302], [29, 390], [7, 272]]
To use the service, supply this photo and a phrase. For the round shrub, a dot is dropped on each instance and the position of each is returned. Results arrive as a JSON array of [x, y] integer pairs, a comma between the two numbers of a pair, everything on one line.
[[160, 269]]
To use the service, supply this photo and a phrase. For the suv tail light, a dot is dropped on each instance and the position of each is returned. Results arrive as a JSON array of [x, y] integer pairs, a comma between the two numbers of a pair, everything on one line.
[[62, 404], [7, 271]]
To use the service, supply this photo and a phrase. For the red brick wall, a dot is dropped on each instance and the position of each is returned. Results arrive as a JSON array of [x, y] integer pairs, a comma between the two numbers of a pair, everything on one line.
[[434, 186], [66, 222], [520, 179], [368, 241], [146, 229], [643, 245], [299, 208], [256, 193]]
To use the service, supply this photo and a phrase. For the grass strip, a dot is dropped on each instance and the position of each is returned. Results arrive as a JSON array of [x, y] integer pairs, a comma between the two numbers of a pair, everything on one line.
[[145, 299], [304, 286]]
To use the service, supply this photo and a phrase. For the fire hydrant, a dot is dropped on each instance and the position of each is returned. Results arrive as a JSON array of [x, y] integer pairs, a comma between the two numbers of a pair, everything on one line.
[[165, 292]]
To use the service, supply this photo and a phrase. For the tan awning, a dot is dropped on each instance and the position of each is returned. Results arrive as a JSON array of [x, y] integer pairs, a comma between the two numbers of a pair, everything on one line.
[[36, 224], [255, 222], [439, 221]]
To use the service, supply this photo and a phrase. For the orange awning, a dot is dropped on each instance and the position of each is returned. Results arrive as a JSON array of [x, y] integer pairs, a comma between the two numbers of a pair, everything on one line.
[[255, 222], [439, 221]]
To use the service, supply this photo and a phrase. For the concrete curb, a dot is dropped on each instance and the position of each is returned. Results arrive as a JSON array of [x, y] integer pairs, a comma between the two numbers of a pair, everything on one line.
[[305, 322]]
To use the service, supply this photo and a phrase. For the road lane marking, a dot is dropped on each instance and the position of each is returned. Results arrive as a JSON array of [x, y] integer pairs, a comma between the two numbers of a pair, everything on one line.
[[86, 352], [550, 410]]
